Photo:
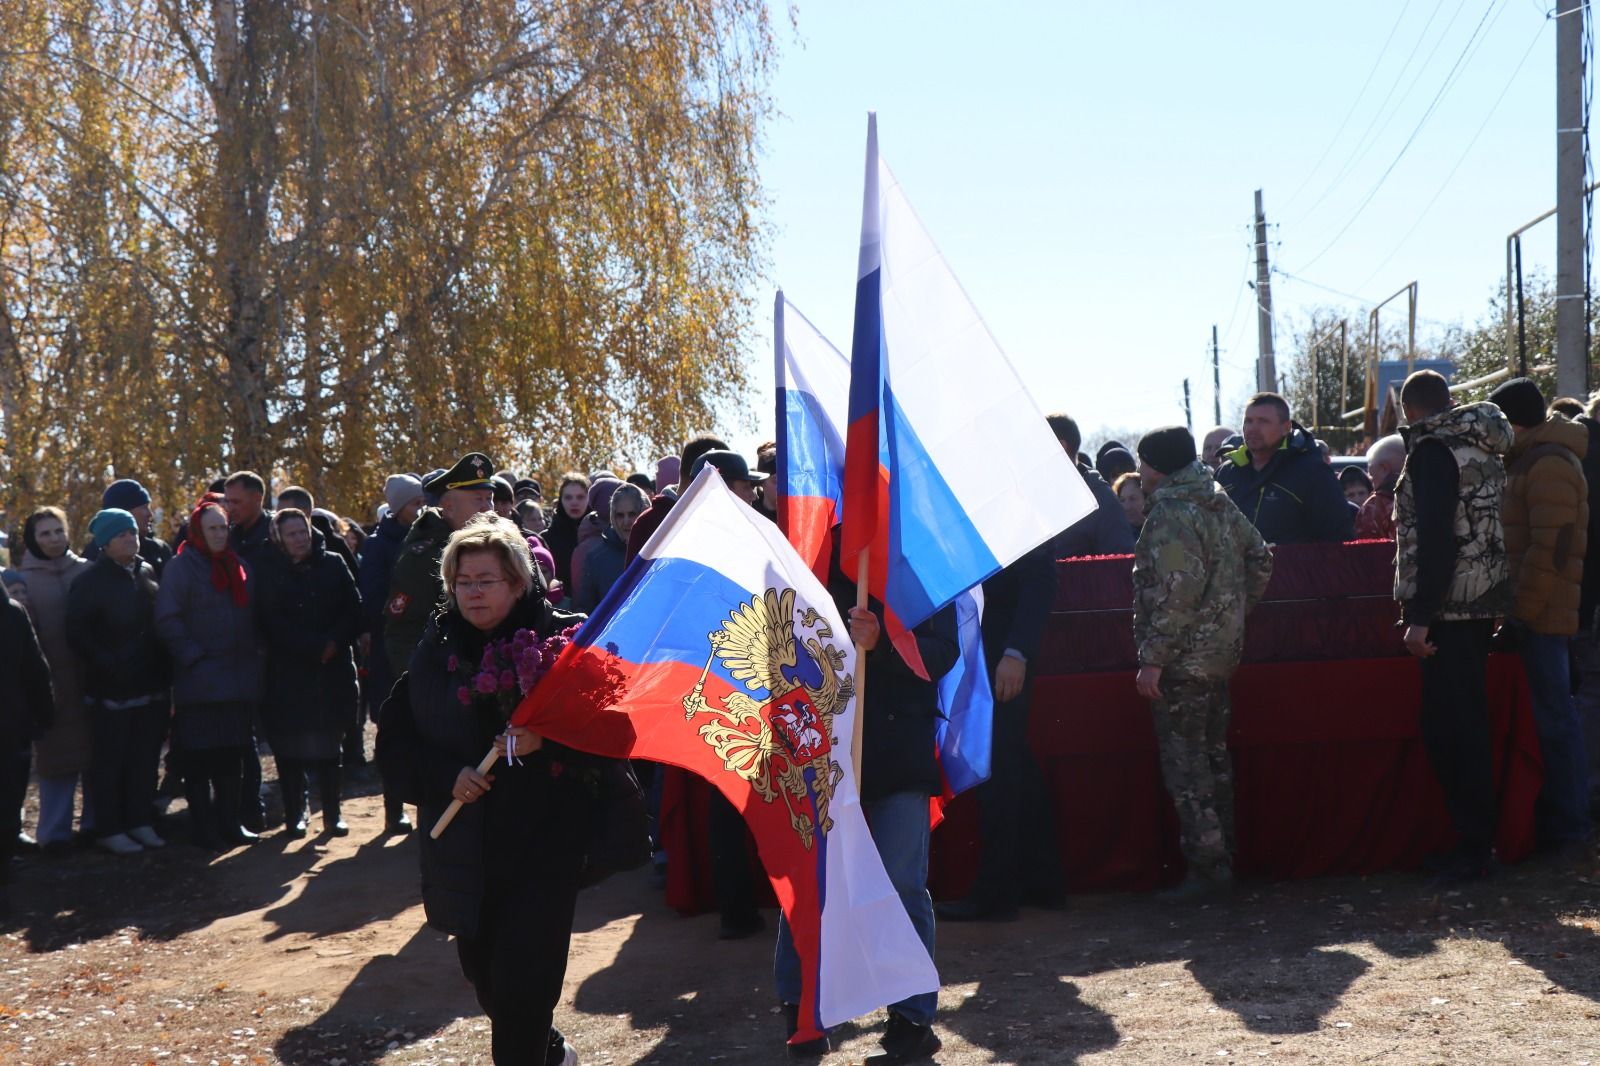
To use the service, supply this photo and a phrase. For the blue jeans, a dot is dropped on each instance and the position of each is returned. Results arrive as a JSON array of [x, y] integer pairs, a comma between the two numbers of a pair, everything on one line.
[[900, 829], [1562, 813]]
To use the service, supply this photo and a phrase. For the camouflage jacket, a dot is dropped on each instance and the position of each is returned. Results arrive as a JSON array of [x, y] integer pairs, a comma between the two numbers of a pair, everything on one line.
[[1198, 569], [415, 587], [1477, 435]]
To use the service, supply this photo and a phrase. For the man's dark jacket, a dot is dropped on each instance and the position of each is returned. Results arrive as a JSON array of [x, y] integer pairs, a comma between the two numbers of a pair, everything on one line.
[[1295, 498], [1590, 589], [1105, 530], [1017, 602], [27, 702], [111, 624]]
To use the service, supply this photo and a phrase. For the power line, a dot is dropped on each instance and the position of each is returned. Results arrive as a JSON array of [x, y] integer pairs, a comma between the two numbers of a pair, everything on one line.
[[1365, 142], [1353, 105], [1449, 80], [1463, 157]]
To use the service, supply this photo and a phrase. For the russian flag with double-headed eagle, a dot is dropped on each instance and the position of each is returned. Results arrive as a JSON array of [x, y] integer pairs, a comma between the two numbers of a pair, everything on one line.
[[950, 470], [720, 652]]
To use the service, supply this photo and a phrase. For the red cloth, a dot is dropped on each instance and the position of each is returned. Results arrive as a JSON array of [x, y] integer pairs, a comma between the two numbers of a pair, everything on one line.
[[1330, 772], [227, 570]]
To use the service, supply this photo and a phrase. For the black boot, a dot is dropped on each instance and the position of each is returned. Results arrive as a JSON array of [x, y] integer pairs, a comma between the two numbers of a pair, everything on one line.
[[230, 787], [292, 783], [202, 814], [328, 784]]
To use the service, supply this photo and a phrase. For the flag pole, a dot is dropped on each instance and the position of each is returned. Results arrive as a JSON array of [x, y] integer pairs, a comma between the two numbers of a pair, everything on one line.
[[454, 809], [862, 574]]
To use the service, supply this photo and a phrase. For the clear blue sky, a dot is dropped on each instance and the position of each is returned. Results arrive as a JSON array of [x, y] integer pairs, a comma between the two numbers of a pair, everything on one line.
[[1088, 171]]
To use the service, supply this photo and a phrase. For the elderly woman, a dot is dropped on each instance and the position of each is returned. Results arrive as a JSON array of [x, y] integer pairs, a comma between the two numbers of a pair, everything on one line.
[[606, 555], [111, 621], [205, 615], [310, 614], [62, 755], [504, 877]]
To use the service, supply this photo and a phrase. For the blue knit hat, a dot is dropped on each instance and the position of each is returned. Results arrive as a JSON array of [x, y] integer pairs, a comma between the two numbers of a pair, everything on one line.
[[124, 495], [109, 524]]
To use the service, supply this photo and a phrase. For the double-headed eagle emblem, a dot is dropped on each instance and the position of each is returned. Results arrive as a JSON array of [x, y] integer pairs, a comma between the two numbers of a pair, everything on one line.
[[783, 742]]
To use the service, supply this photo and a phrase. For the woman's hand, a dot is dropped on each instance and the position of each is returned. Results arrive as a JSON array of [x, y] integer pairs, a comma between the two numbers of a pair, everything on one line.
[[523, 741], [471, 785], [864, 628]]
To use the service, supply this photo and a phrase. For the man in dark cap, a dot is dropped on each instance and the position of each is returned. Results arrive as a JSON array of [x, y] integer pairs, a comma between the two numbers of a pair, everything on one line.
[[128, 495], [415, 587], [1546, 519], [735, 471], [505, 500], [1198, 569]]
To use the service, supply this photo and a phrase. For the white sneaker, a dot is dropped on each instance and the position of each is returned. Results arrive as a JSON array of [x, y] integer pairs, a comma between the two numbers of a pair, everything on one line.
[[145, 835], [120, 844]]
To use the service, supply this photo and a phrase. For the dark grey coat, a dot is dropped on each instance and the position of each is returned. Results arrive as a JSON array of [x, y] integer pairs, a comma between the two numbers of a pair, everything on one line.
[[215, 646]]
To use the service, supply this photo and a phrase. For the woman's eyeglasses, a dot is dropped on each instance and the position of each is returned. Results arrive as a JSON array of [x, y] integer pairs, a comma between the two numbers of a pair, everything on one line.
[[476, 587]]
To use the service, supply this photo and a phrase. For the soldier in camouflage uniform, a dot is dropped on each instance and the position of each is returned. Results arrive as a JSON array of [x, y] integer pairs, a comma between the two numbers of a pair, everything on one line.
[[1199, 567], [1452, 578], [415, 587]]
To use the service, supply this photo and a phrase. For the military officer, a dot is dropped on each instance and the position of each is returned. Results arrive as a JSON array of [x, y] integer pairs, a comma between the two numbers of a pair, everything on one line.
[[1199, 567], [415, 588]]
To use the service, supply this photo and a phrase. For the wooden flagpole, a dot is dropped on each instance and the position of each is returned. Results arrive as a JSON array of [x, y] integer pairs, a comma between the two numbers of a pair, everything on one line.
[[862, 574], [454, 809]]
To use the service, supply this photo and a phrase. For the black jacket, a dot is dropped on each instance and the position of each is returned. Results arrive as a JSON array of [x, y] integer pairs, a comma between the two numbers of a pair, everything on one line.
[[253, 543], [1104, 531], [1017, 602], [27, 703], [1295, 498], [535, 812], [301, 608], [111, 624]]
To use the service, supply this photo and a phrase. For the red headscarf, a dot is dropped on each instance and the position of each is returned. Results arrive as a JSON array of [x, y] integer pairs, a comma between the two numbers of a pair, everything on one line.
[[227, 570]]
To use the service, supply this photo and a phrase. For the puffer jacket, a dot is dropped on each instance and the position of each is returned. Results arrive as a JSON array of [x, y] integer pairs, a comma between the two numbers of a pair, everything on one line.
[[1295, 498], [1546, 516], [1198, 569]]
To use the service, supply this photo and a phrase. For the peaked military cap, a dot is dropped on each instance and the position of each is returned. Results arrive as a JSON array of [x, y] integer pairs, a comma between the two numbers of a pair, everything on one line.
[[472, 471]]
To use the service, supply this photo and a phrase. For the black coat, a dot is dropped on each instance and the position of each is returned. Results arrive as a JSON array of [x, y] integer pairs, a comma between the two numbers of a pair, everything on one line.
[[536, 812], [1017, 603], [27, 703], [1295, 498], [300, 609], [111, 624], [378, 556], [1590, 594]]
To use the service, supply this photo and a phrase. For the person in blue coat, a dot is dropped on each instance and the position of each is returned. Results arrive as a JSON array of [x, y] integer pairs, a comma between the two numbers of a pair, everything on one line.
[[1280, 482]]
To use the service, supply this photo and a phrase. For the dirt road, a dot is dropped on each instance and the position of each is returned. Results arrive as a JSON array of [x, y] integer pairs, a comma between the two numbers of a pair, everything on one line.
[[314, 952]]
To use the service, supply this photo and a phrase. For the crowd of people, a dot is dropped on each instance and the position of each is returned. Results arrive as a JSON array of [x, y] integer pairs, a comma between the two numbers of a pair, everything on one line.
[[277, 626]]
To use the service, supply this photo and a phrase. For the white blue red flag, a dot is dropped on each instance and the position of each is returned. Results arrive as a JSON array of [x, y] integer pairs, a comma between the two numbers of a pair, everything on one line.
[[720, 652], [813, 403], [813, 399], [951, 472]]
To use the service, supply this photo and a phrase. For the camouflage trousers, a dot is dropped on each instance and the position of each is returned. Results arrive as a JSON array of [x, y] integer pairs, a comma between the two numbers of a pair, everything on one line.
[[1192, 733]]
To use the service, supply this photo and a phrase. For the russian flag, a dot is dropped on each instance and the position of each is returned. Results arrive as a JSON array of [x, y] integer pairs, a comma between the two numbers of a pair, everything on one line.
[[813, 395], [719, 651], [813, 401], [951, 472]]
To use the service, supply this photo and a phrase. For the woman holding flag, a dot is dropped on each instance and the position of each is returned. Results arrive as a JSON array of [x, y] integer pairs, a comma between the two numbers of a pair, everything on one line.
[[503, 880]]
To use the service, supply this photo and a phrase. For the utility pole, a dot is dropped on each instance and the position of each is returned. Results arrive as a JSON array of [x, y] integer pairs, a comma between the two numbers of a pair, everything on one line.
[[1572, 357], [1188, 414], [1266, 365], [1216, 378]]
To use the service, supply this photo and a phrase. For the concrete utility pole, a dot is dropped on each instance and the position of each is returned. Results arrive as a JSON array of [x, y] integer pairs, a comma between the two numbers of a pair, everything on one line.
[[1216, 378], [1572, 356], [1188, 414], [1266, 365]]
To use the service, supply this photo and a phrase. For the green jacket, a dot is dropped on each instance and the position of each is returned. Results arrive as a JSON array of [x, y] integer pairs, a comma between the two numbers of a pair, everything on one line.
[[1198, 569], [415, 587]]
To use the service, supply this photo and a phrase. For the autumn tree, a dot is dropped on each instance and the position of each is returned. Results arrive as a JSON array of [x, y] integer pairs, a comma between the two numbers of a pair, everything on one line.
[[335, 238]]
